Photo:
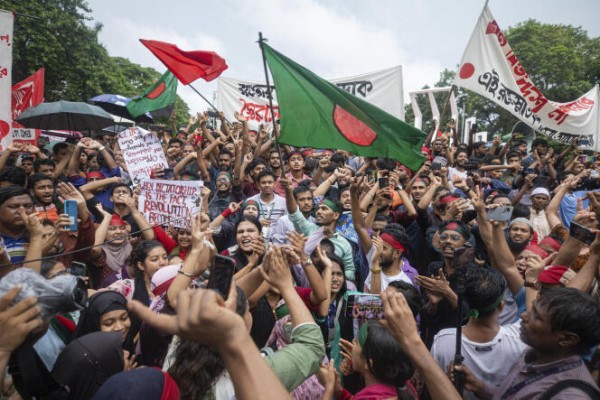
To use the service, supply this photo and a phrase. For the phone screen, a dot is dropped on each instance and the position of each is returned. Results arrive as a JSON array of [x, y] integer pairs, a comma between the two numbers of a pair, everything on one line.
[[383, 183], [221, 275], [581, 233], [71, 210]]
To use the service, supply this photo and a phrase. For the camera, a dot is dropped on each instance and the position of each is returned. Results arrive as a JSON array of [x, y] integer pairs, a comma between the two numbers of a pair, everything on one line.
[[58, 295]]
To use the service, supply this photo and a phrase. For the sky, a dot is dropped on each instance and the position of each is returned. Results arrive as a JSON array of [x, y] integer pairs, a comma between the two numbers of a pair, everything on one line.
[[334, 39]]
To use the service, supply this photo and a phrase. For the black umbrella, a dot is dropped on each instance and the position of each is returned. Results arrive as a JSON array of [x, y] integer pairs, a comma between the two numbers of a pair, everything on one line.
[[65, 115], [113, 130], [117, 105]]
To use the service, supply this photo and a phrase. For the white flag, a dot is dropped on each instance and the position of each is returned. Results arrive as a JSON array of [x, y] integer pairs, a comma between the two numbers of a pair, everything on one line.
[[490, 68], [6, 40]]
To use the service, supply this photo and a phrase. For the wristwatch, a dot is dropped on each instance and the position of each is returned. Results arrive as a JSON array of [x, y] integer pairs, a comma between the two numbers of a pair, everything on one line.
[[307, 263]]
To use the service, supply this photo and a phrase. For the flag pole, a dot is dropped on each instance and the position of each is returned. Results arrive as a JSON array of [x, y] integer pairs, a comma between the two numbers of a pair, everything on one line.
[[446, 106], [261, 41], [204, 98]]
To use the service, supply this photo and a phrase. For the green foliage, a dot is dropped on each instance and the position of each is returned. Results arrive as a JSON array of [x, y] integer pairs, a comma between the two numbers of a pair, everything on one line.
[[561, 60], [63, 40]]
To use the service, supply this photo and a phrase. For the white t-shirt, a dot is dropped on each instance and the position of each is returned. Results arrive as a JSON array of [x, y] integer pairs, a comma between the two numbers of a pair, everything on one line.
[[385, 279], [453, 172], [489, 362]]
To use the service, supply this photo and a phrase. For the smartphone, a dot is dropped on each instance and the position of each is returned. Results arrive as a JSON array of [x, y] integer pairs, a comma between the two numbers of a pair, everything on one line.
[[364, 306], [78, 268], [436, 166], [383, 183], [470, 166], [71, 210], [541, 181], [221, 275], [581, 233], [168, 173], [500, 213]]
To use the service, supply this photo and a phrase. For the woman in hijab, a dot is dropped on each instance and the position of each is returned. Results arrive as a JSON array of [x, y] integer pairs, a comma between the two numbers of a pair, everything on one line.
[[106, 312], [144, 383], [87, 362], [110, 252]]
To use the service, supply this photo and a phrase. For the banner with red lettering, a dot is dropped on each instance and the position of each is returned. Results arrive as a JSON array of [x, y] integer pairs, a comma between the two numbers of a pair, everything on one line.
[[166, 202], [142, 152], [490, 68], [381, 88], [27, 93], [6, 39]]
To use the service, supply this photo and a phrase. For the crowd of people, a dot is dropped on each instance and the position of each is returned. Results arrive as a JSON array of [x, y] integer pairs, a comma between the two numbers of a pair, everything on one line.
[[353, 277]]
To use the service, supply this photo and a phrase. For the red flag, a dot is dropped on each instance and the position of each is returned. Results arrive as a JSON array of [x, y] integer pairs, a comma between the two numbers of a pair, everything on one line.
[[187, 66], [27, 93]]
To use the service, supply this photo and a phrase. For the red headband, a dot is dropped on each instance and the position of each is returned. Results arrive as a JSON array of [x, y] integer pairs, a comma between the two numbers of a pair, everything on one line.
[[115, 220], [389, 239]]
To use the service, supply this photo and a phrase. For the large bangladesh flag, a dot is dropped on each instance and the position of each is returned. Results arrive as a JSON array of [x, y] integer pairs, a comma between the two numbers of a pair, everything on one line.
[[318, 114], [157, 96]]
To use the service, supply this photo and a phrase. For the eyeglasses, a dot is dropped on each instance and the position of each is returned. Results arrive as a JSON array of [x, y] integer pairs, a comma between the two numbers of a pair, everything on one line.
[[446, 236]]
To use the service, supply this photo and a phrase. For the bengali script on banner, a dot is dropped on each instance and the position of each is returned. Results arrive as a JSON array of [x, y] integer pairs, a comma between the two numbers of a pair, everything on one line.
[[382, 88], [6, 40], [169, 202], [142, 152], [490, 68]]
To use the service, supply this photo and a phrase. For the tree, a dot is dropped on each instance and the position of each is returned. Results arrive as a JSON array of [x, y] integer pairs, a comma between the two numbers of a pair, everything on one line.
[[561, 60], [77, 67]]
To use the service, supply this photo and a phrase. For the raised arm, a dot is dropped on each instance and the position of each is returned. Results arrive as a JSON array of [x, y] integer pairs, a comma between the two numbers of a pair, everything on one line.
[[101, 231], [140, 220], [319, 292], [357, 216]]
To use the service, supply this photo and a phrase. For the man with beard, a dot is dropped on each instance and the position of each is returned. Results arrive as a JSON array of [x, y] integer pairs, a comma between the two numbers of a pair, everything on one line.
[[520, 232], [296, 175], [540, 197], [41, 189], [458, 171], [441, 309], [252, 169], [562, 325], [228, 191], [324, 226], [387, 260]]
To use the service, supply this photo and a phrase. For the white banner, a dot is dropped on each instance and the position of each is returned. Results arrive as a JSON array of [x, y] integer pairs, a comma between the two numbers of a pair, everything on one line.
[[169, 202], [490, 68], [6, 40], [142, 152], [382, 89]]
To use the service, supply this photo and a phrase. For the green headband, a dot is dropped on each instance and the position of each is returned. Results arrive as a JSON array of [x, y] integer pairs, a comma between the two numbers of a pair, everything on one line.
[[330, 204], [475, 312], [363, 332]]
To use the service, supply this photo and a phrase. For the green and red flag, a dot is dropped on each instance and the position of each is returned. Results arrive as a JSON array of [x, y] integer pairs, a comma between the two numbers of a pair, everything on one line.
[[155, 97], [317, 113]]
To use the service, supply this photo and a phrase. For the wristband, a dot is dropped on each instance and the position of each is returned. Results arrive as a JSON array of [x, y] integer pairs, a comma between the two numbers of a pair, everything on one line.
[[186, 274], [101, 148], [375, 270], [226, 213]]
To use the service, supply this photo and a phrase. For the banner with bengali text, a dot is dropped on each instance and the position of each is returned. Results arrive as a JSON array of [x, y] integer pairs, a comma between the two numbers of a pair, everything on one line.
[[381, 88], [6, 40], [490, 68]]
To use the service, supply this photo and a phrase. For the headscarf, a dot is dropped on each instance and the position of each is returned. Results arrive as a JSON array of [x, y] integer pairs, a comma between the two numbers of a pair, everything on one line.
[[87, 362], [523, 220], [99, 304], [116, 254], [141, 383]]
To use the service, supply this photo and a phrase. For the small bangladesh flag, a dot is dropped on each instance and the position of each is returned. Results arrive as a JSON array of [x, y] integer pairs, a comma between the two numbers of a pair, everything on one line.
[[317, 113], [157, 96]]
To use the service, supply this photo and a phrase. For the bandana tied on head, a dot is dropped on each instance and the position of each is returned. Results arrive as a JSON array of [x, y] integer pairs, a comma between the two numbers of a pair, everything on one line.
[[251, 203], [551, 243], [330, 204], [94, 174], [537, 250], [475, 312], [226, 175], [389, 239], [448, 199], [116, 220], [455, 226]]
